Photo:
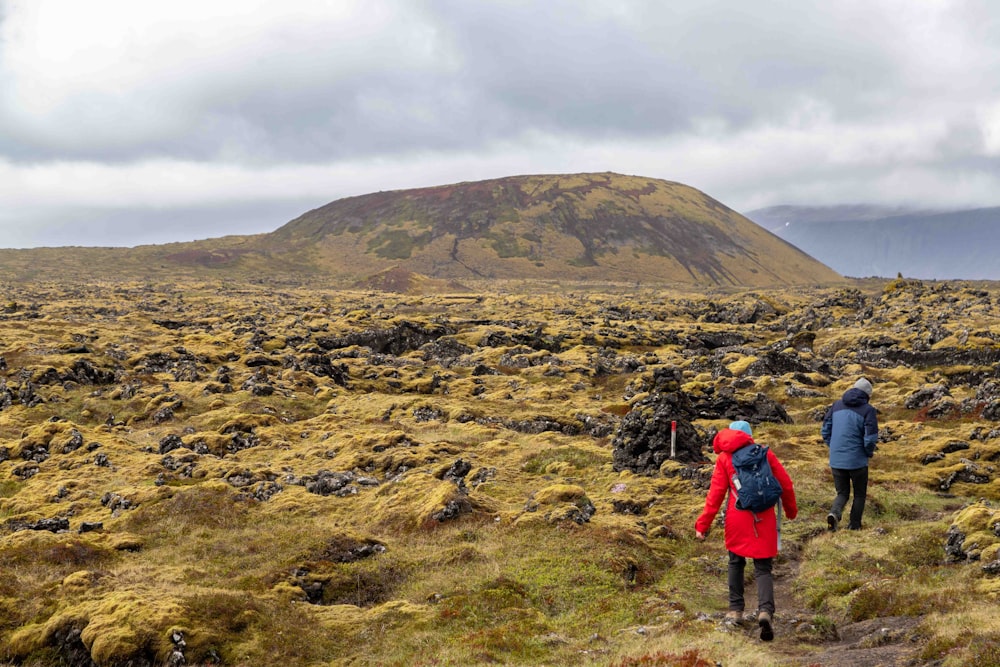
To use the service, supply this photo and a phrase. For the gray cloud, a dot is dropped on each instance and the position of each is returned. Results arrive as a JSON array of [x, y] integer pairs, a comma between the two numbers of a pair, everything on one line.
[[112, 106], [456, 74]]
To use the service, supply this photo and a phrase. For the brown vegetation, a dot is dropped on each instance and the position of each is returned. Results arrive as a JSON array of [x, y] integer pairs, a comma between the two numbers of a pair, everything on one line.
[[249, 475], [572, 227]]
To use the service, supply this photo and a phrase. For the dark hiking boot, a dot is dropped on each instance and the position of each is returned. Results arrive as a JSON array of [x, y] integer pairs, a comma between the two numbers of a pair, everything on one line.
[[831, 522], [766, 625], [733, 618]]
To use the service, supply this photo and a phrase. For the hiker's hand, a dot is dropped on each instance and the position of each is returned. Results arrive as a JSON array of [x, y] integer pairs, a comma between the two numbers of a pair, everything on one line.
[[700, 535]]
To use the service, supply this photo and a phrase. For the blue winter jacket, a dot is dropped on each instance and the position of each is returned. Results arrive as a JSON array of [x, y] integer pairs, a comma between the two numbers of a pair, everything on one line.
[[850, 430]]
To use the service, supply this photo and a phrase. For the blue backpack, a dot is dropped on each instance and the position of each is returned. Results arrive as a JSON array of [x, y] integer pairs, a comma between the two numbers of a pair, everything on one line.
[[755, 484]]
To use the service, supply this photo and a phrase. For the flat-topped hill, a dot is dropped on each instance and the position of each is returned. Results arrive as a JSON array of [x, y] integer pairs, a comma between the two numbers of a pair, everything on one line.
[[604, 228], [575, 227]]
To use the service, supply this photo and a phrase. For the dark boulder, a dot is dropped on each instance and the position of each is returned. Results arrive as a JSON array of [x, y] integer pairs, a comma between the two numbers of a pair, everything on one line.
[[404, 337], [260, 492], [925, 396], [426, 414], [725, 404], [802, 341], [711, 340], [944, 409], [630, 507], [261, 360], [55, 525], [444, 351], [453, 509], [6, 395], [992, 411], [642, 441], [953, 446], [776, 363], [739, 313], [483, 475], [69, 647], [795, 391], [168, 443], [892, 355], [187, 371], [84, 372], [969, 473], [28, 395], [536, 340], [240, 440], [258, 384], [345, 550], [340, 484], [322, 366], [954, 544], [74, 443], [849, 298], [988, 390], [580, 513], [117, 503], [457, 472], [35, 452]]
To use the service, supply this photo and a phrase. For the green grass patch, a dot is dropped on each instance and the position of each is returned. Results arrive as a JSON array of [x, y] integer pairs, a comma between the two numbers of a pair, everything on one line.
[[575, 456]]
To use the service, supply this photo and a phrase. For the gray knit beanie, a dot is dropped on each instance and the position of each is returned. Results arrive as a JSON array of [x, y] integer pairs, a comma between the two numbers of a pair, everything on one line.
[[864, 385]]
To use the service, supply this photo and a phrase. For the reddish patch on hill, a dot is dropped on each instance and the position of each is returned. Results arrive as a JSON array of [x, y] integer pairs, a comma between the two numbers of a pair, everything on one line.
[[207, 257], [396, 280]]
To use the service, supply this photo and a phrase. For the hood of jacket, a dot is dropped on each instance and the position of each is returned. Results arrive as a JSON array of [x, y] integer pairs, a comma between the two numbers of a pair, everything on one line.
[[854, 397], [729, 440]]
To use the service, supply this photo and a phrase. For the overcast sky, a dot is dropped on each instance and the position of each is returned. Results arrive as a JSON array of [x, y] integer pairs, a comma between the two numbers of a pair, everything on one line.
[[125, 122]]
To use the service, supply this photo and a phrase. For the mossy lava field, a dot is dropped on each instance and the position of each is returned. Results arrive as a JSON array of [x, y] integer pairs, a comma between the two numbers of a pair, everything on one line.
[[254, 474]]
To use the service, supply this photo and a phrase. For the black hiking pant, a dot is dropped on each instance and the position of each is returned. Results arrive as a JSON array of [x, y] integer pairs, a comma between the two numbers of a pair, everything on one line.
[[761, 573], [843, 481]]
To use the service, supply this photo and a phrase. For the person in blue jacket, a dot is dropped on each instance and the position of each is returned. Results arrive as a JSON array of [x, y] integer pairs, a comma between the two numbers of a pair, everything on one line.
[[850, 430]]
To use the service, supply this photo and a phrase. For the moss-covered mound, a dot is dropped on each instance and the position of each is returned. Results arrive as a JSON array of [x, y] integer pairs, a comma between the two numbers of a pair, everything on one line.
[[247, 475]]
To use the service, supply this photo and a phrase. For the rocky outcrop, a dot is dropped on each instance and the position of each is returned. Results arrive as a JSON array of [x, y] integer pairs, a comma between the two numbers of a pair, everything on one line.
[[643, 440], [396, 340]]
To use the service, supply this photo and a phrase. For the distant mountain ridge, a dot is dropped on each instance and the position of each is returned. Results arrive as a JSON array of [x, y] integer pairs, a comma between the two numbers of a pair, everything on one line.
[[862, 240], [774, 218]]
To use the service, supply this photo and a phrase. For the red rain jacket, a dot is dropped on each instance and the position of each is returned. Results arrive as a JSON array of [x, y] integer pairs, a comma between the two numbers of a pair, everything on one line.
[[747, 534]]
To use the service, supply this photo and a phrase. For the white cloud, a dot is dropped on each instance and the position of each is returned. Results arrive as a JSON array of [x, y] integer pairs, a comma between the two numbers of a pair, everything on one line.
[[772, 159], [105, 76], [988, 117]]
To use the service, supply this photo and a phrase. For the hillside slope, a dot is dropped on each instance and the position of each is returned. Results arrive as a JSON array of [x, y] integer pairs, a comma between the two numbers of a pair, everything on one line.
[[575, 227], [586, 227]]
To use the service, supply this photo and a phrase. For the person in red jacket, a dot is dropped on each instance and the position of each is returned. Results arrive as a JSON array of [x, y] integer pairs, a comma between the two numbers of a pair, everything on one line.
[[748, 534]]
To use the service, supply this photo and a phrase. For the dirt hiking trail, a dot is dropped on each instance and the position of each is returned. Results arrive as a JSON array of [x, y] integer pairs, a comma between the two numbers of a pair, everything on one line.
[[877, 642]]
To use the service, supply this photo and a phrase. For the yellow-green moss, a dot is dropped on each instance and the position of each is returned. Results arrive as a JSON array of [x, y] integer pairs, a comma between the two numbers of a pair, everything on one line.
[[739, 367], [977, 523], [560, 493]]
